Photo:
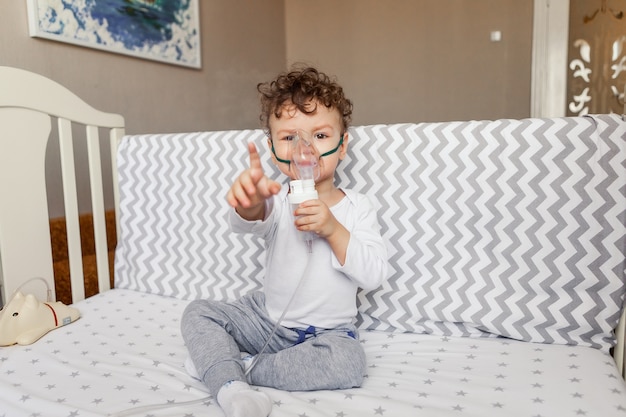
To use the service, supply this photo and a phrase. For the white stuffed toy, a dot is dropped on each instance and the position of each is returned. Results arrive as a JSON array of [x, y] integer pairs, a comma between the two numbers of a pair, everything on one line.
[[25, 319]]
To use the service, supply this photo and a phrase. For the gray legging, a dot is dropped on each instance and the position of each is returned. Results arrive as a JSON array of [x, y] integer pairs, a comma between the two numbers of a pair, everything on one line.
[[216, 333]]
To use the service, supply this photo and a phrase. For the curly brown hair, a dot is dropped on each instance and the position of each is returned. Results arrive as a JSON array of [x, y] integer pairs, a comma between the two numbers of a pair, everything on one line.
[[302, 87]]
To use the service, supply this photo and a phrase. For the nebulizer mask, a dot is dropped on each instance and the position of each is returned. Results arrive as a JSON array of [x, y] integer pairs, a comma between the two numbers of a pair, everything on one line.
[[305, 166]]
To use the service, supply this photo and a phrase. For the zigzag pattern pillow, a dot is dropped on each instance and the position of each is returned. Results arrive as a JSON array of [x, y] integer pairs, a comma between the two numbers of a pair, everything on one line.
[[511, 228], [174, 237], [517, 227]]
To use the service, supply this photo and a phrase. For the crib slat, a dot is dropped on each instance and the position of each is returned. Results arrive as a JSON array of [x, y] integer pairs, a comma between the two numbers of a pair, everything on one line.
[[24, 223], [70, 200], [116, 135], [97, 204]]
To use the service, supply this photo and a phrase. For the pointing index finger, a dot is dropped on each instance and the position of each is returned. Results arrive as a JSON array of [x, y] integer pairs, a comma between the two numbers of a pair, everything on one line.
[[255, 159]]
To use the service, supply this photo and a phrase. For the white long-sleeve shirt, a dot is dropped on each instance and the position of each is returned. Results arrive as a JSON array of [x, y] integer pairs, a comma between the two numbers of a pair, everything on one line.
[[326, 297]]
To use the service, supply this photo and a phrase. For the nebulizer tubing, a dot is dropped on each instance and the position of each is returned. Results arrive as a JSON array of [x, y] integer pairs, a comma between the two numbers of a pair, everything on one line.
[[305, 159], [153, 407], [255, 360], [28, 281]]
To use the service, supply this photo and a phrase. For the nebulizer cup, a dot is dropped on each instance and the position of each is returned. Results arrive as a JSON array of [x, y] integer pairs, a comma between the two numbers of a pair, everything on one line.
[[305, 167]]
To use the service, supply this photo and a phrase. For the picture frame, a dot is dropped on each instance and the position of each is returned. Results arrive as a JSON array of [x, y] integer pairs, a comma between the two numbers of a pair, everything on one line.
[[161, 30]]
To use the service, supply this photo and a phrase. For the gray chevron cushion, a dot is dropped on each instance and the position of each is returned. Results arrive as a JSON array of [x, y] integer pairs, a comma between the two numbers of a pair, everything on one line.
[[512, 228]]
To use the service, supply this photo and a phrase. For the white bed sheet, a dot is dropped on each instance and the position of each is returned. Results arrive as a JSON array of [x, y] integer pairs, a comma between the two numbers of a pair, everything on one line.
[[126, 352]]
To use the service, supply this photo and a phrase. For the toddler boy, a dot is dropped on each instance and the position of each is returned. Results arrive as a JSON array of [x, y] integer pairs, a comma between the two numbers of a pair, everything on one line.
[[316, 344]]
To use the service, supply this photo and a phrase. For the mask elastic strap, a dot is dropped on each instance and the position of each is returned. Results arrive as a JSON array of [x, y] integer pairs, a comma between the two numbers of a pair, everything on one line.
[[284, 161], [332, 151]]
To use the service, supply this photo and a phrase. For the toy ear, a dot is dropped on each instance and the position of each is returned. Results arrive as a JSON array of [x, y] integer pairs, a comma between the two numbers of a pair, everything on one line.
[[31, 302]]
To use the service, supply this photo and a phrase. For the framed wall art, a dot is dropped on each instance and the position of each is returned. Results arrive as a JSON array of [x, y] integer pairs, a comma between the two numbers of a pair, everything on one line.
[[161, 30]]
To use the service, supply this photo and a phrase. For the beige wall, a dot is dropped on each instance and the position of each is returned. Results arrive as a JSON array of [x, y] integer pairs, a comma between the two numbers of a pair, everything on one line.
[[157, 97], [426, 60], [399, 60]]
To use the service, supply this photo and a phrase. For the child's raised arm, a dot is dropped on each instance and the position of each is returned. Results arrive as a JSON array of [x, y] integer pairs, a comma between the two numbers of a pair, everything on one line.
[[250, 190]]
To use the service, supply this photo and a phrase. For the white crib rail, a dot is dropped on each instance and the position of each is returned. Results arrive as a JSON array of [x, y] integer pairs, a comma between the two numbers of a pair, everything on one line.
[[27, 103]]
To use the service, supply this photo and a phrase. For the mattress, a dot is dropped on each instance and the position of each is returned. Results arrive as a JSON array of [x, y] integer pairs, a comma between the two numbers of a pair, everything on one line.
[[125, 356]]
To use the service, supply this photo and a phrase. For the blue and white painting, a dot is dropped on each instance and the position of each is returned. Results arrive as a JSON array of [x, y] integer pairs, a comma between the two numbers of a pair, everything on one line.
[[163, 30]]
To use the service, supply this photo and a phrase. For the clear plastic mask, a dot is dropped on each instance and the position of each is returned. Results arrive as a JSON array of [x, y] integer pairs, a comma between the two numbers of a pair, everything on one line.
[[299, 151], [305, 158]]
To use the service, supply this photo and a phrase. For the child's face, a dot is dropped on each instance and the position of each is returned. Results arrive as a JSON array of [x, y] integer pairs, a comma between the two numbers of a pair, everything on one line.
[[324, 126]]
